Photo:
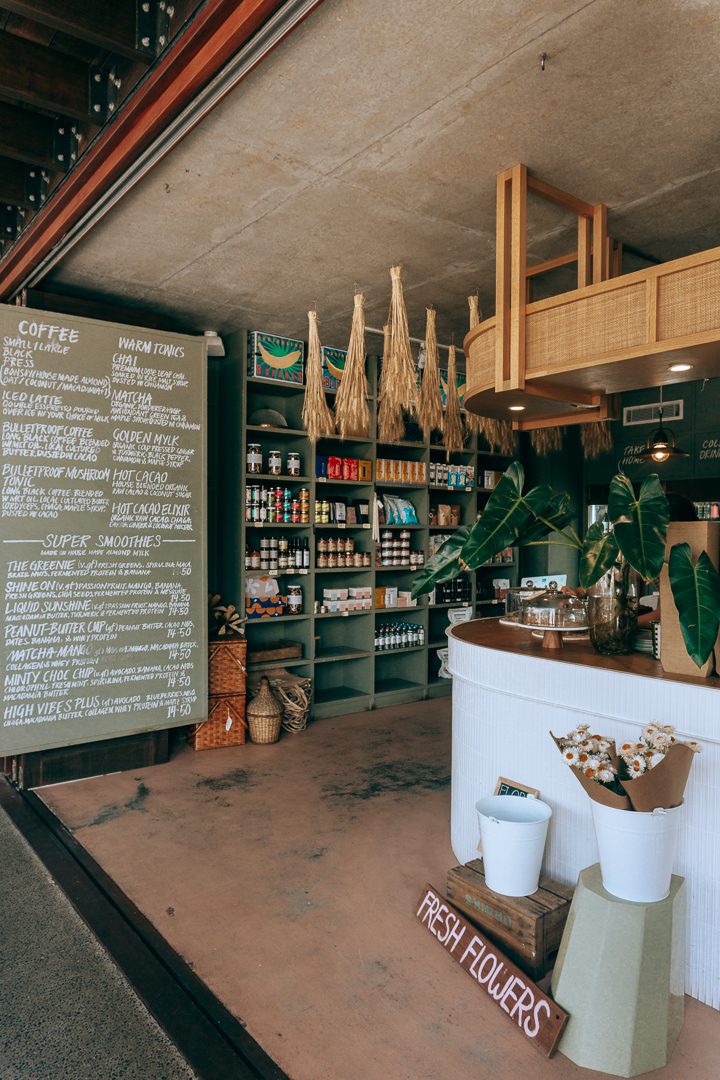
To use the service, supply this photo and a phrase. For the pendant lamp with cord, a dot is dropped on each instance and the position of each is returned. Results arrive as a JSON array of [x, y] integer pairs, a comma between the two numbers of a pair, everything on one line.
[[661, 445]]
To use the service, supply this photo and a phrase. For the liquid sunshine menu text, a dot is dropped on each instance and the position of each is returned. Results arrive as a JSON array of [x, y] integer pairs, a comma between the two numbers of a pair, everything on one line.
[[102, 499]]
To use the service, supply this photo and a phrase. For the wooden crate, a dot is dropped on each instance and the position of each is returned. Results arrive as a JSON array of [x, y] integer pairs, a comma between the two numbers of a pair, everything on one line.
[[528, 928]]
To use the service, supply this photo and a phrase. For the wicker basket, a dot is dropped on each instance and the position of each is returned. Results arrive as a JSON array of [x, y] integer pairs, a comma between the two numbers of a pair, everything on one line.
[[225, 725], [226, 666], [264, 715]]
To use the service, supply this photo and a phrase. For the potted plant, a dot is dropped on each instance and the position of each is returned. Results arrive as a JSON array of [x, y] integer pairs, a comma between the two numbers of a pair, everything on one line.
[[633, 539]]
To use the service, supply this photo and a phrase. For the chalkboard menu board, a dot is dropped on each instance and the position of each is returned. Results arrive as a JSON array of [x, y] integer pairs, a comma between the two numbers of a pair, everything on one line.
[[103, 530]]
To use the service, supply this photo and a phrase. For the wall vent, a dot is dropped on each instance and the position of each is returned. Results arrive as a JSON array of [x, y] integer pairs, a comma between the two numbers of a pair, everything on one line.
[[650, 414]]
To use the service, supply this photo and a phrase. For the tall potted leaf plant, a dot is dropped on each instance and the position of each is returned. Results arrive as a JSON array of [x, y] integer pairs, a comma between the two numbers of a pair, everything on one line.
[[635, 541]]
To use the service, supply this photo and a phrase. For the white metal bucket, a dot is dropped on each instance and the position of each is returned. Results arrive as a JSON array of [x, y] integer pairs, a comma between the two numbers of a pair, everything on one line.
[[637, 851], [513, 831]]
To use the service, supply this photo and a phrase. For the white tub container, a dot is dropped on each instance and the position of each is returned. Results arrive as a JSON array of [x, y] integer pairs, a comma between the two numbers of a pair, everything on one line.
[[513, 832], [637, 851]]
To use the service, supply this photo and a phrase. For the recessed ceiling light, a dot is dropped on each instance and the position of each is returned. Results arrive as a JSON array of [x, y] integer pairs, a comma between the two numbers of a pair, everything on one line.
[[517, 408], [681, 367]]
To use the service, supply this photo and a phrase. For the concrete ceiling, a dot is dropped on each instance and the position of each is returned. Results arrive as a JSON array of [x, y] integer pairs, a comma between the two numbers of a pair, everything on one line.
[[374, 134]]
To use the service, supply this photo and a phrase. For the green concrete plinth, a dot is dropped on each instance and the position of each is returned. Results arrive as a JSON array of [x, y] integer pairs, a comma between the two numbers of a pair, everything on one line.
[[620, 974]]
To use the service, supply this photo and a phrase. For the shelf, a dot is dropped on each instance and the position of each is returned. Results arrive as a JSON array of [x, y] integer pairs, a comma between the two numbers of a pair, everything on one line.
[[337, 652], [332, 525], [351, 440], [404, 649], [344, 483], [274, 619], [324, 696], [441, 644], [395, 610], [343, 570], [402, 527], [394, 685], [343, 614], [275, 525], [450, 603], [269, 665], [495, 565], [413, 485], [453, 490], [276, 384], [260, 429], [446, 528], [484, 603], [272, 476], [402, 446], [278, 573], [397, 569]]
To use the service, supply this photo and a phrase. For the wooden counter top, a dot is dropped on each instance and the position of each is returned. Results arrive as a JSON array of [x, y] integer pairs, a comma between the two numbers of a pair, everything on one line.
[[490, 634]]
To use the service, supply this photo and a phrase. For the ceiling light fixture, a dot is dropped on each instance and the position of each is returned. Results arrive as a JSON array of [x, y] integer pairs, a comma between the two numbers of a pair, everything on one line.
[[681, 367], [661, 445], [517, 408]]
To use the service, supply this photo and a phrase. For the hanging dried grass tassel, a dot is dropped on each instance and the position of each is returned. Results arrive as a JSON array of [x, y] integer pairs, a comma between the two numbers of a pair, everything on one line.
[[398, 386], [430, 412], [453, 436], [498, 433], [596, 438], [352, 413], [474, 304], [316, 414], [546, 440]]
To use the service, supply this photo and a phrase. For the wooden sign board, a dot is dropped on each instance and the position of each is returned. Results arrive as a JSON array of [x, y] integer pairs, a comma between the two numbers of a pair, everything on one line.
[[535, 1015], [513, 787]]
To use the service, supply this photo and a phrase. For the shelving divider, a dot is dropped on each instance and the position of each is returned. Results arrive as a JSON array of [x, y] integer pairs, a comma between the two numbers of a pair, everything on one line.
[[338, 651]]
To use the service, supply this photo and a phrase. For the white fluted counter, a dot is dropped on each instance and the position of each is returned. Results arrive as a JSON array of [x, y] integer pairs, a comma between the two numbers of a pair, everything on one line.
[[509, 693]]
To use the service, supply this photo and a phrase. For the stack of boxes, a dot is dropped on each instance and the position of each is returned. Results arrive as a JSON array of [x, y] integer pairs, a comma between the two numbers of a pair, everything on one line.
[[392, 471], [339, 601]]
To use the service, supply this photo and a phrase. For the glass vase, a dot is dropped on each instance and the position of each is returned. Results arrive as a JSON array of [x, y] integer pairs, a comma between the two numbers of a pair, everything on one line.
[[612, 611]]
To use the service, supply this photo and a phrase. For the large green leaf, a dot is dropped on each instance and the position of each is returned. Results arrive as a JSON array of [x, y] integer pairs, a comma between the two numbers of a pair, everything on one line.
[[443, 566], [507, 513], [696, 592], [640, 523], [557, 514], [599, 553]]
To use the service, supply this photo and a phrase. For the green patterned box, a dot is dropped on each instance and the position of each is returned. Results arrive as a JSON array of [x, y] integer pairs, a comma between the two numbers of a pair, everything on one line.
[[333, 365], [277, 359]]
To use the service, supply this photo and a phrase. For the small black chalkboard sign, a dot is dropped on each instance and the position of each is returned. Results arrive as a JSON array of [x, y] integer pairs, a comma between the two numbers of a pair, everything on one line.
[[512, 787]]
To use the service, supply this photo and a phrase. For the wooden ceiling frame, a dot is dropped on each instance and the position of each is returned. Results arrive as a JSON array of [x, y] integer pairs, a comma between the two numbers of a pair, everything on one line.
[[217, 31]]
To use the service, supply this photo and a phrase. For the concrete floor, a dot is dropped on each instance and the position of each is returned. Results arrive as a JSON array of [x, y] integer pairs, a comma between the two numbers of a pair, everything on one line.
[[288, 875], [66, 1012]]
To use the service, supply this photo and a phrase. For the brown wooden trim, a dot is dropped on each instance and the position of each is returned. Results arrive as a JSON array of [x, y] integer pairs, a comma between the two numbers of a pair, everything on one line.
[[599, 250], [109, 24], [562, 198], [517, 277], [220, 28], [584, 252], [562, 393], [651, 297], [551, 264], [582, 416], [42, 77], [26, 136], [502, 279]]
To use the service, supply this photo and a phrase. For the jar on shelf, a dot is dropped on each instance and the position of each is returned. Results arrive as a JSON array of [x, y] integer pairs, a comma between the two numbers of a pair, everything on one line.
[[293, 466], [294, 600], [275, 462], [254, 458]]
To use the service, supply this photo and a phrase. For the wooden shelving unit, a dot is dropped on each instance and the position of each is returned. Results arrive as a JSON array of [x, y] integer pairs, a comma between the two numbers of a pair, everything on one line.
[[338, 649]]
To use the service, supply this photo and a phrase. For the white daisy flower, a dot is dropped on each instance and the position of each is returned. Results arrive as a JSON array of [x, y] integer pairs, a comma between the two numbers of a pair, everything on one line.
[[570, 756]]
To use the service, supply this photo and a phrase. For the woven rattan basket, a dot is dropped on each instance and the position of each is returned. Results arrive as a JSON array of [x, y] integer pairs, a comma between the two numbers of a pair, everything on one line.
[[225, 725], [226, 666], [264, 715]]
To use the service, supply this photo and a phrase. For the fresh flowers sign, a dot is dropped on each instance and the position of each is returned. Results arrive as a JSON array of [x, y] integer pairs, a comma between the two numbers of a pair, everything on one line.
[[640, 776]]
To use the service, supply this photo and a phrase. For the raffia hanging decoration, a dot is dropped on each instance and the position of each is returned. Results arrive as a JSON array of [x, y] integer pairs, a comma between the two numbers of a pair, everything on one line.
[[546, 440], [398, 385], [596, 438], [430, 412], [474, 304], [352, 413], [316, 414], [453, 435]]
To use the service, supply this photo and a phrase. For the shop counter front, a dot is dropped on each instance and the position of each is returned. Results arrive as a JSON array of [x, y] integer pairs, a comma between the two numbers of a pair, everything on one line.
[[509, 694]]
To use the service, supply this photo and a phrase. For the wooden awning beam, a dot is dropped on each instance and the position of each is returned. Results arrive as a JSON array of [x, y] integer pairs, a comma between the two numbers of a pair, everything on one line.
[[26, 136], [551, 264], [109, 24], [562, 198], [12, 183], [43, 78]]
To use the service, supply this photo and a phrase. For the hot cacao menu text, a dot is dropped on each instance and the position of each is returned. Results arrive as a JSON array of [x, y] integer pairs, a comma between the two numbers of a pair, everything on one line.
[[102, 498]]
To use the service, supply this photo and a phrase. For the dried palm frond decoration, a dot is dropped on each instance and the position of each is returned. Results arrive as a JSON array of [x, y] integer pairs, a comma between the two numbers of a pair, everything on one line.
[[546, 440], [498, 434], [398, 385], [430, 411], [352, 413], [453, 435], [596, 438], [316, 414], [474, 304]]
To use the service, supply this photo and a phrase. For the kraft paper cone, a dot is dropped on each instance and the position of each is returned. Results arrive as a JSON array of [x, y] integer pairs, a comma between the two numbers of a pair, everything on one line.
[[596, 791], [663, 786]]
